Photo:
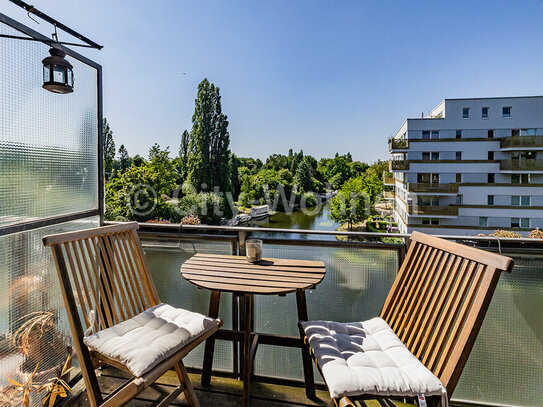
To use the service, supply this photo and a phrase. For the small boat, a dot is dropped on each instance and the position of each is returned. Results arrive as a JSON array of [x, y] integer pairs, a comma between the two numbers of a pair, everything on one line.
[[260, 211]]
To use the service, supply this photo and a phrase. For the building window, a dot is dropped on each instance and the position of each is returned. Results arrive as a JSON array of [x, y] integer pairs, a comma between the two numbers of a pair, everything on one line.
[[506, 111], [426, 134], [434, 178], [520, 178], [490, 199], [490, 133], [491, 178], [458, 199], [484, 112], [520, 222], [491, 155], [458, 177], [465, 113], [423, 178], [458, 155], [458, 133], [435, 133], [483, 221], [425, 156], [520, 200]]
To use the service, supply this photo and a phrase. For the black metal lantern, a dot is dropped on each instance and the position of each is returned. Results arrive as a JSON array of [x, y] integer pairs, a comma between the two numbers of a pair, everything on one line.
[[58, 73]]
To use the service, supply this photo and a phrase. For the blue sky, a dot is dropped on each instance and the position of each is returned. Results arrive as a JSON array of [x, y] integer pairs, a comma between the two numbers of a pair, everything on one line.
[[322, 76]]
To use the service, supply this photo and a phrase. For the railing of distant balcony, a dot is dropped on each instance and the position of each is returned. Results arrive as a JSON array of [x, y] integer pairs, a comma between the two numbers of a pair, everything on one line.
[[398, 144], [388, 180], [359, 274], [521, 141], [398, 164], [388, 194], [433, 187], [433, 210], [522, 165]]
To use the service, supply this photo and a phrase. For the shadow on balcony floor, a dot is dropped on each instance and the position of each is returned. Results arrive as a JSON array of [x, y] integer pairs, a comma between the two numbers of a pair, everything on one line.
[[223, 392]]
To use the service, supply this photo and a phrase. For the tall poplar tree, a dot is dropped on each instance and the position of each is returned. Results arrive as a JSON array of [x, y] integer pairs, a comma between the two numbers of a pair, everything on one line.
[[108, 146], [208, 148]]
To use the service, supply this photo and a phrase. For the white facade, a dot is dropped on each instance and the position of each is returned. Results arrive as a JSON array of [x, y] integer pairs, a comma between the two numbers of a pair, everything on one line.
[[472, 166]]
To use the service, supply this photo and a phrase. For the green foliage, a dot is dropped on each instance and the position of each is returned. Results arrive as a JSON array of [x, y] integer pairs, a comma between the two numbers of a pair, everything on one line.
[[208, 159], [334, 171], [352, 203], [207, 206], [139, 189], [124, 158], [303, 177], [358, 168], [108, 147], [308, 200]]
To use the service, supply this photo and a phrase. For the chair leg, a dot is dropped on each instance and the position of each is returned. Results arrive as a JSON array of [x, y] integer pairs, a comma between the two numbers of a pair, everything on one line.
[[190, 394]]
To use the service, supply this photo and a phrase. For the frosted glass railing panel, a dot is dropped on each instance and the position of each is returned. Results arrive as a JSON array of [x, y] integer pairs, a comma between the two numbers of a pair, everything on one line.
[[164, 260], [505, 366], [29, 285], [48, 142], [356, 283]]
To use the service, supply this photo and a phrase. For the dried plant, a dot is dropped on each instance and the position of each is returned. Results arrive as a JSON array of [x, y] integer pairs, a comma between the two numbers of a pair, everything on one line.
[[536, 234], [26, 387], [190, 220], [32, 330], [56, 386]]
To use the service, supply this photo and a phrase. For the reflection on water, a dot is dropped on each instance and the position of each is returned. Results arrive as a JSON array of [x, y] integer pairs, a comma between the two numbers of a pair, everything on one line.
[[317, 218]]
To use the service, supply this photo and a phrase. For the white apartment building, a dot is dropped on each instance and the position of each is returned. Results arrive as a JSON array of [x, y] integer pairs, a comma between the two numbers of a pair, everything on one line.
[[472, 166]]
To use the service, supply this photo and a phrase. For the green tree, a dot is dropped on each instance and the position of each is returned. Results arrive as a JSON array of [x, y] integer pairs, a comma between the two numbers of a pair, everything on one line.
[[352, 203], [124, 158], [154, 151], [108, 146], [303, 177], [208, 152], [184, 153]]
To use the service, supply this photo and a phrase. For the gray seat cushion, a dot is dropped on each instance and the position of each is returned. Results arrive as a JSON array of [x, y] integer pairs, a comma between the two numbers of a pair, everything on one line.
[[142, 342], [368, 358]]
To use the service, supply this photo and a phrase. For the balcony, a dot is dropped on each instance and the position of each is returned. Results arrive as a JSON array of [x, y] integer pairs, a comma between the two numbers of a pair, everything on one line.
[[398, 144], [429, 210], [398, 165], [434, 188], [521, 142], [388, 180], [388, 194], [521, 165]]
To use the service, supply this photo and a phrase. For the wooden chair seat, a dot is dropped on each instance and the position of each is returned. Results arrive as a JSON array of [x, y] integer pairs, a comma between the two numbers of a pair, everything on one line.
[[107, 289], [428, 325]]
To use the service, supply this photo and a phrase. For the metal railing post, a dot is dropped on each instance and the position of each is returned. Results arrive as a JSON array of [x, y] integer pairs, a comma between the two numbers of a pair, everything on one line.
[[242, 235]]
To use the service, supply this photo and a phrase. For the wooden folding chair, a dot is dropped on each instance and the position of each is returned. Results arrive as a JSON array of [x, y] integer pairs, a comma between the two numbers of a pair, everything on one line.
[[424, 335], [111, 300]]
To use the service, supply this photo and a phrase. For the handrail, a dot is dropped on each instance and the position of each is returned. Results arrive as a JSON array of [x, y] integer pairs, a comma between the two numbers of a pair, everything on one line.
[[177, 228]]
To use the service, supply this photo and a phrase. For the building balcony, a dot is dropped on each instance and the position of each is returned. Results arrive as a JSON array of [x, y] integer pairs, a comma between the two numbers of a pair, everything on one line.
[[521, 165], [521, 142], [388, 194], [398, 144], [388, 180], [398, 165], [433, 188], [428, 210]]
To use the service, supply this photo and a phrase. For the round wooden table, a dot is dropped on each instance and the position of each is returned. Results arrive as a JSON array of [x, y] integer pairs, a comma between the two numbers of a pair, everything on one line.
[[222, 273]]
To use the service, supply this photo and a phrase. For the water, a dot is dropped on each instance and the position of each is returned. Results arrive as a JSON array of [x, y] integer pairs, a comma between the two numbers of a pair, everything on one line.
[[317, 218]]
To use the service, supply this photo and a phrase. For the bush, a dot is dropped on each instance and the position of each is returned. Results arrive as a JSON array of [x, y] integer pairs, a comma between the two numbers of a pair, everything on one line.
[[207, 206], [308, 200]]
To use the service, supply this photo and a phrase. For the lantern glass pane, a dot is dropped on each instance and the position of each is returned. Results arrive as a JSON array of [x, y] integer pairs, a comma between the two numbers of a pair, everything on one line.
[[59, 74], [46, 73], [70, 77]]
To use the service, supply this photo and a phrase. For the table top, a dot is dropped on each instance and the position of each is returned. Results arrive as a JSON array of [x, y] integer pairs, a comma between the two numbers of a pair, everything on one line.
[[235, 274]]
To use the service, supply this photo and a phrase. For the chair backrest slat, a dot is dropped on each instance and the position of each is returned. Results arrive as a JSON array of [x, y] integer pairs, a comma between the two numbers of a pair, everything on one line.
[[106, 266], [439, 299]]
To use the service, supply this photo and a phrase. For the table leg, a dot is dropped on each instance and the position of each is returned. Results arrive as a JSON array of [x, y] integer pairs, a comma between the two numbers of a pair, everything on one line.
[[306, 358], [235, 327], [210, 343], [247, 349]]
